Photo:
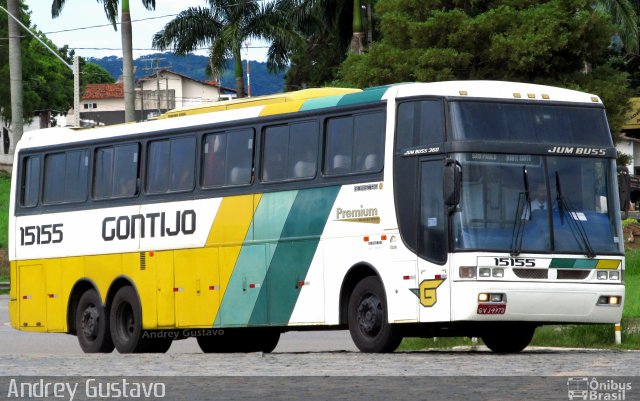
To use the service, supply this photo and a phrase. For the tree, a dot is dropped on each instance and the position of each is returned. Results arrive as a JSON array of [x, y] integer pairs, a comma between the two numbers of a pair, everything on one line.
[[111, 11], [537, 41], [223, 27], [625, 17], [331, 29]]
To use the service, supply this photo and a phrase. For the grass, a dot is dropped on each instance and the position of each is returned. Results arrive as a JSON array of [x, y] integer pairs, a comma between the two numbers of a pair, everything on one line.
[[573, 336]]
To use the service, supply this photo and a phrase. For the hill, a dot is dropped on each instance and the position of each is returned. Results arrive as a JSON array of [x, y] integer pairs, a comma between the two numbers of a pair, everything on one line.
[[262, 81]]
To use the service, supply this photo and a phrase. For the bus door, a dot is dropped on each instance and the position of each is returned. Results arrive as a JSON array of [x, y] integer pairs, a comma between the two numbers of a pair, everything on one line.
[[434, 291]]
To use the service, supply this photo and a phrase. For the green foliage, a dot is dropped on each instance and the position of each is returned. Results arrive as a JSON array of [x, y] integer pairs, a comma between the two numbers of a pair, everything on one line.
[[558, 42]]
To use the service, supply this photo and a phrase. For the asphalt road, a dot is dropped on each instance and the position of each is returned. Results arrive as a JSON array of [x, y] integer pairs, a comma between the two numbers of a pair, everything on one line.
[[317, 366]]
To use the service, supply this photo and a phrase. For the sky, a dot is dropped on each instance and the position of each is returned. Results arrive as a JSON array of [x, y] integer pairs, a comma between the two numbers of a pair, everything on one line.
[[101, 40]]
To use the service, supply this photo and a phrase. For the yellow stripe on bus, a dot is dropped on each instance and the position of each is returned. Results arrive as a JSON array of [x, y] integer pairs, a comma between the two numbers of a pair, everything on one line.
[[608, 264], [281, 108]]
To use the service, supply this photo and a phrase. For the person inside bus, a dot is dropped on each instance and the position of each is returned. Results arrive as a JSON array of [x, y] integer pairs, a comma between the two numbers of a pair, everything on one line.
[[539, 198]]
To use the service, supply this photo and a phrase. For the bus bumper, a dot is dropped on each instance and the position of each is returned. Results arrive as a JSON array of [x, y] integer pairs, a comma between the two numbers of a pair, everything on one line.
[[537, 302]]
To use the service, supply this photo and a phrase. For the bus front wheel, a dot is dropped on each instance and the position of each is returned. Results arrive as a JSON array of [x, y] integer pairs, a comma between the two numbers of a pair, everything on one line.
[[92, 324], [368, 320], [509, 338], [126, 321]]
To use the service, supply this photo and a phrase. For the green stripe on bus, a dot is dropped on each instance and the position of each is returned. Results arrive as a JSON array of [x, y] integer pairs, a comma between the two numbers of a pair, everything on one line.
[[367, 96], [240, 299], [562, 263], [294, 254], [320, 103], [557, 263]]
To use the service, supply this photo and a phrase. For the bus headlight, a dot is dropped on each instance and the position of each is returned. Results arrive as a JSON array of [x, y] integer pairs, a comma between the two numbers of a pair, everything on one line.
[[497, 272], [614, 275], [603, 275], [485, 272]]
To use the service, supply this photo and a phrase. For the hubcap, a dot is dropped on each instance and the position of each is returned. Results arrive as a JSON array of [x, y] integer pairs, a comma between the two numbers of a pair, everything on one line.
[[370, 315], [126, 320], [90, 322]]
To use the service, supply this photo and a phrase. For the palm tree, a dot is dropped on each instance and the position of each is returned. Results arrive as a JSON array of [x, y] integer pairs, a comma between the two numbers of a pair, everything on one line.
[[223, 27], [624, 14], [111, 11]]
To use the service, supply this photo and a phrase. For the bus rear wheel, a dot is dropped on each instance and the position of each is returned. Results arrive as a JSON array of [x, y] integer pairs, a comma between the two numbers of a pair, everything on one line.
[[92, 324], [126, 322], [509, 338], [368, 320]]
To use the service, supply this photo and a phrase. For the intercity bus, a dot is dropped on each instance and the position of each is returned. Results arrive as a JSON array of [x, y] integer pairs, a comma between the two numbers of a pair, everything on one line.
[[472, 208]]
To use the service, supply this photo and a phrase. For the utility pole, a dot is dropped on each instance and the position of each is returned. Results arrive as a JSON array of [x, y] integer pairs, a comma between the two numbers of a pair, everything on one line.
[[156, 71], [15, 73]]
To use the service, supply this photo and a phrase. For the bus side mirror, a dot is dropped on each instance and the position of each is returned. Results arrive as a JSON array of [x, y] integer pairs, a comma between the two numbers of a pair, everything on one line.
[[452, 182]]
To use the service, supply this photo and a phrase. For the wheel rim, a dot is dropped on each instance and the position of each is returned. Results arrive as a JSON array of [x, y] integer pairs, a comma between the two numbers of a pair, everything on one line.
[[370, 315], [126, 321], [90, 322]]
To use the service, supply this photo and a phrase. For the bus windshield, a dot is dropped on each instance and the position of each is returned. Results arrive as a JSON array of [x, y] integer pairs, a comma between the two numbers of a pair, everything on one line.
[[527, 122], [555, 204]]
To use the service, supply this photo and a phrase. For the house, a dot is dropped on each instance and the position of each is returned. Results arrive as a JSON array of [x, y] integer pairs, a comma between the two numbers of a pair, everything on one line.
[[166, 90], [155, 94]]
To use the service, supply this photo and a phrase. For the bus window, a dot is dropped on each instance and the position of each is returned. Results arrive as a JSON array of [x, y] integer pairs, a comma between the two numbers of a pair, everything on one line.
[[240, 157], [116, 172], [171, 165], [419, 123], [290, 151], [65, 178], [276, 144], [355, 144], [30, 182], [303, 149], [214, 160], [368, 142]]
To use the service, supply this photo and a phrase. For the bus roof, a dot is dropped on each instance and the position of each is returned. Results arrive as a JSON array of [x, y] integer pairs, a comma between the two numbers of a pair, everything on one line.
[[304, 100]]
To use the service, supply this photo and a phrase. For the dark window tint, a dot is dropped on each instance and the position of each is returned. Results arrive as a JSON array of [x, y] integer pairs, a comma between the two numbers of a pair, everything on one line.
[[354, 144], [240, 157], [432, 235], [30, 182], [276, 150], [116, 172], [529, 122], [419, 123], [65, 177], [171, 165], [227, 158], [214, 160], [290, 151]]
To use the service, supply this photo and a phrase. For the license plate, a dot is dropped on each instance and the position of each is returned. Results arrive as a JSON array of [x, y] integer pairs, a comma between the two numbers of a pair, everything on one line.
[[491, 309]]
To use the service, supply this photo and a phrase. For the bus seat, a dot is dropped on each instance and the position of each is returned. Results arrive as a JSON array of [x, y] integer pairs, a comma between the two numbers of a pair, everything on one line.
[[341, 163], [371, 162], [303, 169], [239, 175]]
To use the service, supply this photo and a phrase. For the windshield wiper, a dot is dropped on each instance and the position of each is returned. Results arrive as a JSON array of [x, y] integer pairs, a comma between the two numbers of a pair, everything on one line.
[[523, 213], [574, 223]]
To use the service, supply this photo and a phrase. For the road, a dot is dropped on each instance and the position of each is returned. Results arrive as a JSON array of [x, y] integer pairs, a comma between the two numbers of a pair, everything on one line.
[[312, 355]]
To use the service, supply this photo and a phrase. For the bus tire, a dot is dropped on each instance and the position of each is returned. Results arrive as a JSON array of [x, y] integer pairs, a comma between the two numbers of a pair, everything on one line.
[[509, 338], [368, 320], [92, 324], [126, 321]]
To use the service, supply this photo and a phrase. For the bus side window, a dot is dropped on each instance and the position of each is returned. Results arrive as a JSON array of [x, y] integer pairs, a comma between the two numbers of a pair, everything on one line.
[[240, 157], [65, 177], [214, 160], [339, 146], [368, 141], [30, 188], [171, 164], [419, 123]]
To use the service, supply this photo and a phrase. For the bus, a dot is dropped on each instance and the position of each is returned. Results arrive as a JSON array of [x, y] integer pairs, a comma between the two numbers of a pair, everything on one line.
[[468, 208]]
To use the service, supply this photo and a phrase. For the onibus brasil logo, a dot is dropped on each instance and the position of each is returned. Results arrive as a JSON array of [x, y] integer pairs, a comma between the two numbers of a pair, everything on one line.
[[583, 388]]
